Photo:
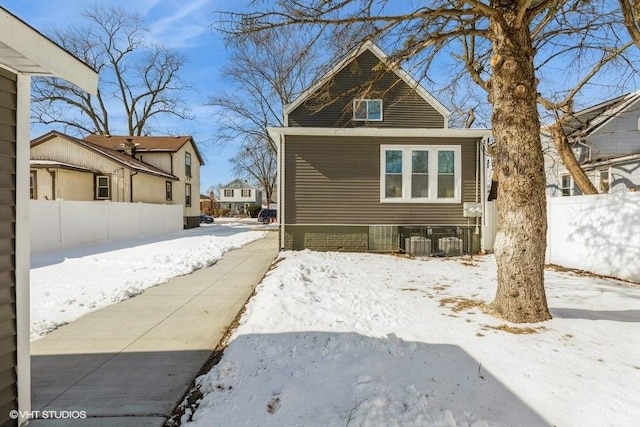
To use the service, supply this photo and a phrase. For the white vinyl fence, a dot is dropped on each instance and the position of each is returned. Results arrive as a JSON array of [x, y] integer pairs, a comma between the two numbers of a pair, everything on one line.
[[598, 233], [63, 224]]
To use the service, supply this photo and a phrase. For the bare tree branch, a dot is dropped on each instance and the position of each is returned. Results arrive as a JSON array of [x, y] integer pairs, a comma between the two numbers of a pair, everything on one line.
[[142, 79]]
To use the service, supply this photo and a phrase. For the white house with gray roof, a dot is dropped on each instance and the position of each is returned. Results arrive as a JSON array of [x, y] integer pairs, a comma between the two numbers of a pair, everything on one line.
[[605, 138], [238, 196]]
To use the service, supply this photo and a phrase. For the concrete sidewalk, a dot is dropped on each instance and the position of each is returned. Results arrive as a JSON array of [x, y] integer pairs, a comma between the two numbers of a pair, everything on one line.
[[130, 363]]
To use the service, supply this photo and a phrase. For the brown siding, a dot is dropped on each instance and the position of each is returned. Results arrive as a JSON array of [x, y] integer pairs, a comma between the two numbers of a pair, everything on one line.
[[402, 106], [336, 180], [8, 340]]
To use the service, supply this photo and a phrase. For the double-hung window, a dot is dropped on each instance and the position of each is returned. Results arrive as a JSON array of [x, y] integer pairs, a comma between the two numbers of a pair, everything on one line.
[[187, 164], [102, 187], [420, 174], [603, 181], [168, 190], [187, 195], [566, 185], [228, 192], [245, 192], [33, 185], [367, 110]]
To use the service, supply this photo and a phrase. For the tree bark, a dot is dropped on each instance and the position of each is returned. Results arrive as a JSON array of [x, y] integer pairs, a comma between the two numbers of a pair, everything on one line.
[[522, 219], [569, 160]]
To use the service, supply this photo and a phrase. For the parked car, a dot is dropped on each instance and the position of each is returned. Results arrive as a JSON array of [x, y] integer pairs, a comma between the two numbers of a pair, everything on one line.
[[206, 219], [266, 216]]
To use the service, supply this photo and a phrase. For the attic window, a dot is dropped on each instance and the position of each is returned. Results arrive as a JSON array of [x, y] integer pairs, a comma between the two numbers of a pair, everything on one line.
[[367, 110]]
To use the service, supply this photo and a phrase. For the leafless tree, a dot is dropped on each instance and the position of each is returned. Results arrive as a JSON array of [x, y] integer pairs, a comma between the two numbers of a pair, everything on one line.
[[264, 73], [139, 82], [525, 54]]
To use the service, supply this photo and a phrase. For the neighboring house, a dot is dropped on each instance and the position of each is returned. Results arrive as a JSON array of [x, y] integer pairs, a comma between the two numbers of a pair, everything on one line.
[[605, 139], [118, 168], [374, 167], [23, 52], [238, 197], [208, 203]]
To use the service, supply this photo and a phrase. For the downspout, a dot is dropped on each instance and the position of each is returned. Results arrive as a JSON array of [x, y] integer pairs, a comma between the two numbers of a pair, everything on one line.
[[53, 183], [131, 185]]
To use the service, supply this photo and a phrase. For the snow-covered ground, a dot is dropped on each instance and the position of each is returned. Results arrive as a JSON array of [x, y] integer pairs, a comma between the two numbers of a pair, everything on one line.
[[373, 340], [70, 283]]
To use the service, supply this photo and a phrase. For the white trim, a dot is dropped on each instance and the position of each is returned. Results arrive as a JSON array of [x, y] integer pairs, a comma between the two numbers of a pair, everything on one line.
[[562, 187], [366, 101], [373, 48], [23, 246], [98, 187], [280, 217], [34, 54], [433, 173], [380, 132]]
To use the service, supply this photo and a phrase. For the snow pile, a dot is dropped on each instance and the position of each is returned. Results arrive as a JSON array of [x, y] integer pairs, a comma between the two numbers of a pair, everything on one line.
[[360, 339], [62, 292]]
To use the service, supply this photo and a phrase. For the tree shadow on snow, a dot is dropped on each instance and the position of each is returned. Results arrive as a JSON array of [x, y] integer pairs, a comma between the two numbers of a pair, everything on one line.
[[325, 379]]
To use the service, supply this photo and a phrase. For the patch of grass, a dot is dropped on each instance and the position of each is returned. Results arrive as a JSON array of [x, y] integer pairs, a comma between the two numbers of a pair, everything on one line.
[[413, 290], [583, 273], [459, 304], [517, 330]]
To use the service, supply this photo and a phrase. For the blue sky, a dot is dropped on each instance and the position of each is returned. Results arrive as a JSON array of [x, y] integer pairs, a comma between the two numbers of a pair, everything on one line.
[[184, 25]]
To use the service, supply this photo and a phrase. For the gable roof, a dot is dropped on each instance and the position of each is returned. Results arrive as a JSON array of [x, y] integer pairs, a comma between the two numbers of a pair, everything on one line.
[[118, 157], [148, 144], [27, 51], [238, 183], [587, 121], [375, 50]]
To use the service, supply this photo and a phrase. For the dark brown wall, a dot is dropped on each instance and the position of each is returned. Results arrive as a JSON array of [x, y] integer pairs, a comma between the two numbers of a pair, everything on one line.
[[336, 180], [402, 107], [8, 340]]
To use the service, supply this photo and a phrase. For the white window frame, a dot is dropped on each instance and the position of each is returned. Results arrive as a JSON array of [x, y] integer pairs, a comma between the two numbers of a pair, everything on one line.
[[187, 195], [98, 187], [168, 191], [227, 192], [366, 119], [33, 184], [187, 164], [599, 179], [245, 190], [562, 188], [433, 173]]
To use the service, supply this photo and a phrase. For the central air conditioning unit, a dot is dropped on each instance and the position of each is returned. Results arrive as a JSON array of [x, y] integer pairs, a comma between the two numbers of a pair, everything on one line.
[[450, 246], [417, 245]]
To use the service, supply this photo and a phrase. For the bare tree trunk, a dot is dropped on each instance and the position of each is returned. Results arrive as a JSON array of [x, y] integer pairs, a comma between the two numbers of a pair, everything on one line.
[[522, 221], [569, 160]]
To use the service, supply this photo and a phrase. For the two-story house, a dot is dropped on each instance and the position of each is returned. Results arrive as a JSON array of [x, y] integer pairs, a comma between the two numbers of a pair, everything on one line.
[[367, 163], [238, 196], [605, 138], [148, 169]]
